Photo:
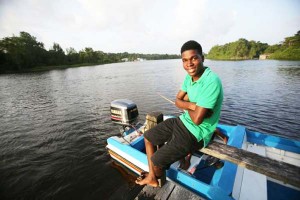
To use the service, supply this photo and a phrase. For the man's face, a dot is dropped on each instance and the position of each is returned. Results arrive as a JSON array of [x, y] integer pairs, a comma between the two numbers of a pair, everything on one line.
[[192, 62]]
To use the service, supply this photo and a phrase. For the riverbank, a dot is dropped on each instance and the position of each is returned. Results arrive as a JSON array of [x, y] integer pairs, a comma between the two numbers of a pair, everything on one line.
[[274, 56], [243, 49], [48, 68]]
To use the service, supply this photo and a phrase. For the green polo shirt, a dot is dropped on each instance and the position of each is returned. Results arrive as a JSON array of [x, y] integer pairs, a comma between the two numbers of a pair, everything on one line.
[[206, 92]]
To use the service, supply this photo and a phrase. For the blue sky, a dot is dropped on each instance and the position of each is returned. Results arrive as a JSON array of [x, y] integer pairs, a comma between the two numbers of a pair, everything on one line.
[[149, 26]]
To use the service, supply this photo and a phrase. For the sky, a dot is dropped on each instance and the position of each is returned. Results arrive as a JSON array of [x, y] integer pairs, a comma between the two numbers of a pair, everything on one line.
[[149, 26]]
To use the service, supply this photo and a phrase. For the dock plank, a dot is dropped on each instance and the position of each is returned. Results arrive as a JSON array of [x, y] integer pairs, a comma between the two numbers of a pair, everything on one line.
[[162, 193], [147, 193], [284, 172], [169, 191], [180, 193], [165, 192]]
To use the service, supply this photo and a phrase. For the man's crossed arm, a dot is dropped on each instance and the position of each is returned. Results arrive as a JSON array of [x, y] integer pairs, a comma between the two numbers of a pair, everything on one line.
[[197, 113]]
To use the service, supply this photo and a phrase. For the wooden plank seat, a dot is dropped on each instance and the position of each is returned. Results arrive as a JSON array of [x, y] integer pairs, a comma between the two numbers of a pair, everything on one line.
[[284, 172]]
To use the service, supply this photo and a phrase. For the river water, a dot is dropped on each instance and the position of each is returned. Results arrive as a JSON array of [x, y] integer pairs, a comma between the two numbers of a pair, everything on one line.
[[54, 125]]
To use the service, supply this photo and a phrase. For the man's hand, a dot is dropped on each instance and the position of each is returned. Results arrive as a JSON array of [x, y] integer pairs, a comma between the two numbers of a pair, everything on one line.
[[182, 101], [197, 113]]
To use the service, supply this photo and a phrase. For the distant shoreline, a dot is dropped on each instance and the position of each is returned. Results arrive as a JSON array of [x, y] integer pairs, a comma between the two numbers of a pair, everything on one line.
[[243, 49], [62, 67], [49, 68], [248, 59]]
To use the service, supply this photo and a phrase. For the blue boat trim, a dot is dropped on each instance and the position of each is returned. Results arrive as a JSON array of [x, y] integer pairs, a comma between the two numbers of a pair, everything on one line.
[[274, 141], [139, 143], [128, 150], [202, 189]]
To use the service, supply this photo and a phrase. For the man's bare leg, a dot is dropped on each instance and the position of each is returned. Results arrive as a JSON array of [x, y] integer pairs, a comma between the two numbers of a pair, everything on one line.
[[154, 171], [185, 162]]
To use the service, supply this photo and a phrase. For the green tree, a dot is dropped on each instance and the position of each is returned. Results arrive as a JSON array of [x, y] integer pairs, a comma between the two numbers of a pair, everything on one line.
[[21, 52], [241, 49], [88, 55], [288, 50], [56, 55], [273, 48], [24, 52], [257, 48], [72, 56]]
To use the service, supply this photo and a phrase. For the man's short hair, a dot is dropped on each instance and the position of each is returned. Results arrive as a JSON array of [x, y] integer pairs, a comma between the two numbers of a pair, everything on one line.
[[191, 45]]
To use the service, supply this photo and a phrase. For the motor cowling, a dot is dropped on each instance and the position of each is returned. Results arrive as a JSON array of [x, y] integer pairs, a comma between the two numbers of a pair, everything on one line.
[[123, 112]]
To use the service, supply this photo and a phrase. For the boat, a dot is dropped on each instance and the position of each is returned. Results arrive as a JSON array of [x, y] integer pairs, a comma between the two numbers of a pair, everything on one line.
[[205, 178]]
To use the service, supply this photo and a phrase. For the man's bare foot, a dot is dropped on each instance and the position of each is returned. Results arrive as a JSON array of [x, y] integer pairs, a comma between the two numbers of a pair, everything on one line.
[[142, 175], [145, 179]]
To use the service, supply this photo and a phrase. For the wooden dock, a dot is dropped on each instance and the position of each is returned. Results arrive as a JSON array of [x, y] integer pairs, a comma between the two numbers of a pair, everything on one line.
[[167, 192]]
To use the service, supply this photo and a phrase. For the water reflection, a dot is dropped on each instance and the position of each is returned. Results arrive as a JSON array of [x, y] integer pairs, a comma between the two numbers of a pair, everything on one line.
[[289, 71]]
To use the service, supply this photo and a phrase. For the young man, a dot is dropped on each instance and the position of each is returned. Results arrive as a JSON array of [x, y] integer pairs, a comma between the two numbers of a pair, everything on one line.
[[201, 97]]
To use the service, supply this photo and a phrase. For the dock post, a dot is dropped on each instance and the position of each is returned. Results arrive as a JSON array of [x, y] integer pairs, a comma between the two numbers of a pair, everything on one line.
[[152, 119]]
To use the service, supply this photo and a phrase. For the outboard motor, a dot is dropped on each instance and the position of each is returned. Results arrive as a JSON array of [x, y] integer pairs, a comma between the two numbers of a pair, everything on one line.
[[123, 112]]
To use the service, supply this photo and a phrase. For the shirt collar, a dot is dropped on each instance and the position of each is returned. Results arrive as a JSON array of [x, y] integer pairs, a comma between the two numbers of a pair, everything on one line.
[[206, 71]]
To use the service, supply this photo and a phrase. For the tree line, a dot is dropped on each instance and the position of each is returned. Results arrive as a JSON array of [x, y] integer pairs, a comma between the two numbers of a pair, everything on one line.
[[24, 53], [242, 49]]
